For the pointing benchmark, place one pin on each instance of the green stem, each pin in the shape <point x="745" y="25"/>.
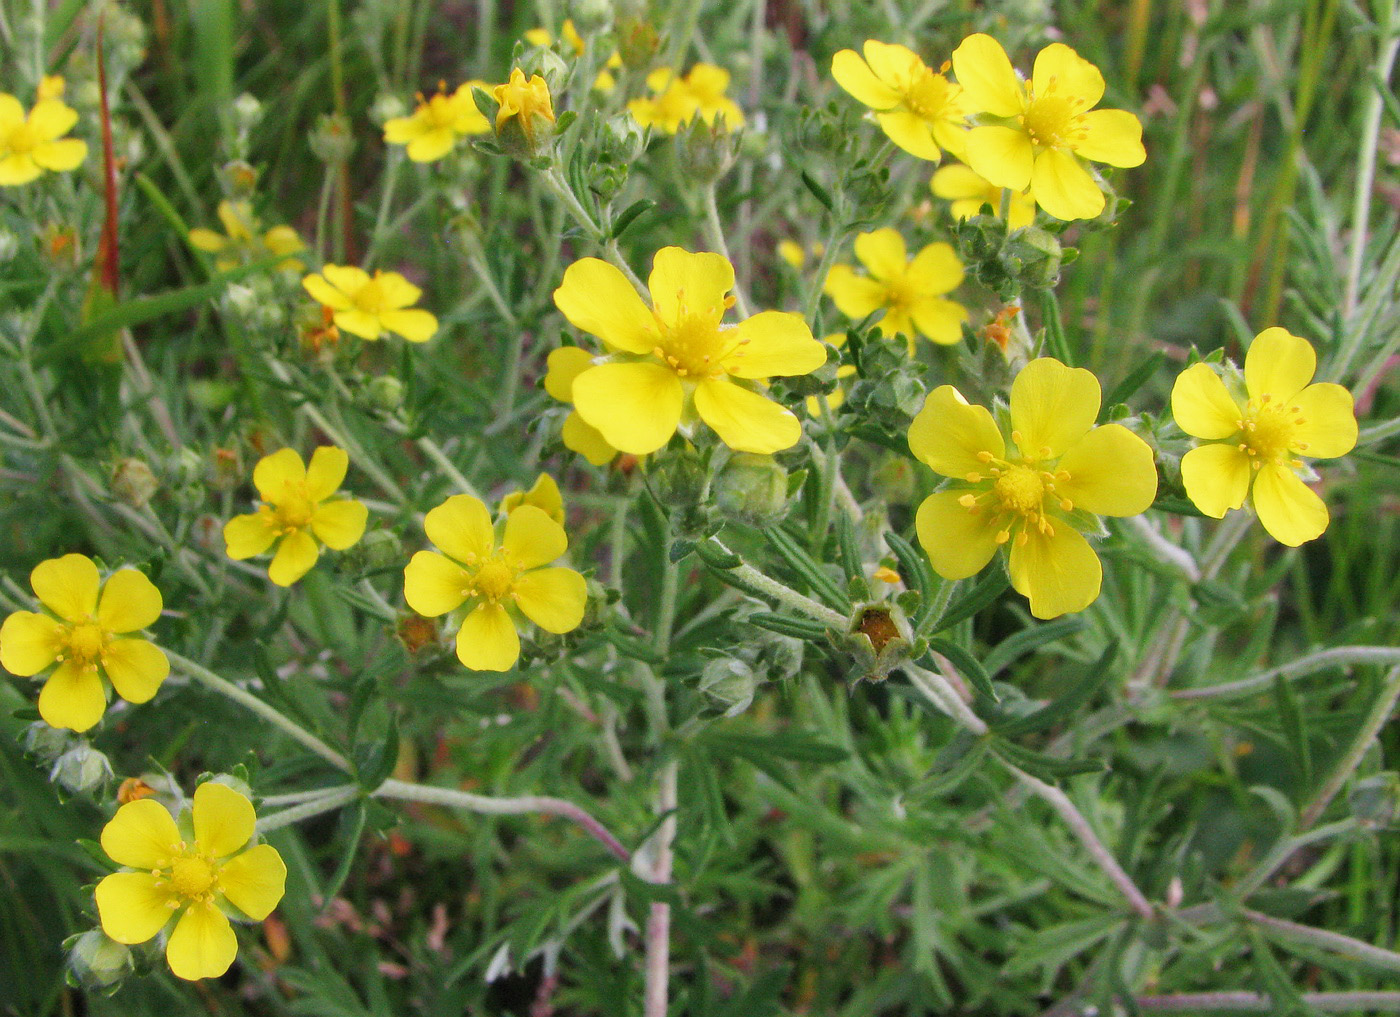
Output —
<point x="1380" y="713"/>
<point x="1314" y="662"/>
<point x="556" y="183"/>
<point x="785" y="595"/>
<point x="1354" y="949"/>
<point x="336" y="799"/>
<point x="714" y="236"/>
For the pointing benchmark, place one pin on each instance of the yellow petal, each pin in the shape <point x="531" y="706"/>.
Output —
<point x="939" y="319"/>
<point x="597" y="298"/>
<point x="274" y="473"/>
<point x="142" y="835"/>
<point x="1329" y="415"/>
<point x="582" y="437"/>
<point x="67" y="586"/>
<point x="565" y="364"/>
<point x="532" y="539"/>
<point x="1062" y="72"/>
<point x="50" y="119"/>
<point x="11" y="112"/>
<point x="987" y="78"/>
<point x="415" y="325"/>
<point x="911" y="133"/>
<point x="883" y="253"/>
<point x="207" y="240"/>
<point x="18" y="169"/>
<point x="1289" y="509"/>
<point x="553" y="599"/>
<point x="1278" y="364"/>
<point x="855" y="295"/>
<point x="958" y="182"/>
<point x="360" y="323"/>
<point x="1060" y="574"/>
<point x="1201" y="405"/>
<point x="349" y="279"/>
<point x="133" y="906"/>
<point x="487" y="640"/>
<point x="935" y="270"/>
<point x="431" y="145"/>
<point x="294" y="558"/>
<point x="61" y="156"/>
<point x="396" y="291"/>
<point x="283" y="240"/>
<point x="72" y="697"/>
<point x="461" y="526"/>
<point x="1113" y="136"/>
<point x="948" y="434"/>
<point x="29" y="642"/>
<point x="855" y="76"/>
<point x="893" y="63"/>
<point x="779" y="344"/>
<point x="223" y="819"/>
<point x="326" y="472"/>
<point x="1063" y="187"/>
<point x="1002" y="156"/>
<point x="1053" y="406"/>
<point x="958" y="543"/>
<point x="1216" y="478"/>
<point x="744" y="420"/>
<point x="434" y="584"/>
<point x="135" y="667"/>
<point x="339" y="524"/>
<point x="248" y="535"/>
<point x="699" y="281"/>
<point x="1110" y="473"/>
<point x="203" y="944"/>
<point x="254" y="881"/>
<point x="129" y="602"/>
<point x="636" y="407"/>
<point x="321" y="291"/>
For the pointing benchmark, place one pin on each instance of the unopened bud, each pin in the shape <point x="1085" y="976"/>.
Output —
<point x="638" y="42"/>
<point x="592" y="16"/>
<point x="377" y="550"/>
<point x="1033" y="256"/>
<point x="730" y="682"/>
<point x="239" y="179"/>
<point x="97" y="961"/>
<point x="208" y="532"/>
<point x="752" y="489"/>
<point x="247" y="111"/>
<point x="9" y="246"/>
<point x="331" y="140"/>
<point x="45" y="742"/>
<point x="385" y="393"/>
<point x="708" y="148"/>
<point x="133" y="482"/>
<point x="525" y="117"/>
<point x="387" y="106"/>
<point x="81" y="768"/>
<point x="1375" y="800"/>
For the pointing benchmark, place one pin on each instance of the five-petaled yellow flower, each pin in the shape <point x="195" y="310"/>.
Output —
<point x="919" y="110"/>
<point x="197" y="876"/>
<point x="240" y="244"/>
<point x="677" y="101"/>
<point x="31" y="144"/>
<point x="494" y="581"/>
<point x="1256" y="433"/>
<point x="565" y="365"/>
<point x="543" y="495"/>
<point x="1032" y="493"/>
<point x="369" y="307"/>
<point x="81" y="634"/>
<point x="676" y="361"/>
<point x="296" y="513"/>
<point x="434" y="126"/>
<point x="526" y="107"/>
<point x="909" y="290"/>
<point x="1037" y="135"/>
<point x="968" y="192"/>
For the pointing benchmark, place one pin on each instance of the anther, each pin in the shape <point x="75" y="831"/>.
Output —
<point x="1066" y="504"/>
<point x="1003" y="536"/>
<point x="967" y="501"/>
<point x="974" y="477"/>
<point x="985" y="457"/>
<point x="1045" y="451"/>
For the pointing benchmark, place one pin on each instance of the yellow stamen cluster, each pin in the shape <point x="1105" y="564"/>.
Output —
<point x="1049" y="120"/>
<point x="1269" y="432"/>
<point x="695" y="345"/>
<point x="1016" y="494"/>
<point x="493" y="579"/>
<point x="84" y="644"/>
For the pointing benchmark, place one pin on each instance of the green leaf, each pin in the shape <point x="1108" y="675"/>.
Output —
<point x="630" y="215"/>
<point x="914" y="570"/>
<point x="988" y="588"/>
<point x="1138" y="377"/>
<point x="761" y="999"/>
<point x="375" y="761"/>
<point x="1037" y="764"/>
<point x="1295" y="730"/>
<point x="968" y="666"/>
<point x="1027" y="641"/>
<point x="796" y="746"/>
<point x="818" y="191"/>
<point x="716" y="557"/>
<point x="797" y="559"/>
<point x="1052" y="947"/>
<point x="789" y="625"/>
<point x="630" y="647"/>
<point x="352" y="828"/>
<point x="1069" y="703"/>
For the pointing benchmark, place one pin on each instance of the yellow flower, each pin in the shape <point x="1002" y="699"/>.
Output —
<point x="544" y="495"/>
<point x="565" y="365"/>
<point x="910" y="290"/>
<point x="1041" y="132"/>
<point x="525" y="106"/>
<point x="568" y="32"/>
<point x="494" y="581"/>
<point x="369" y="307"/>
<point x="1256" y="436"/>
<point x="1035" y="493"/>
<point x="969" y="192"/>
<point x="835" y="398"/>
<point x="241" y="245"/>
<point x="51" y="86"/>
<point x="436" y="123"/>
<point x="920" y="111"/>
<point x="30" y="145"/>
<point x="296" y="513"/>
<point x="676" y="360"/>
<point x="677" y="101"/>
<point x="79" y="633"/>
<point x="796" y="255"/>
<point x="196" y="879"/>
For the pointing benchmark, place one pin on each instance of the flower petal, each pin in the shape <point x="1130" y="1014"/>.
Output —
<point x="935" y="270"/>
<point x="129" y="602"/>
<point x="910" y="132"/>
<point x="248" y="535"/>
<point x="431" y="145"/>
<point x="984" y="71"/>
<point x="744" y="420"/>
<point x="553" y="599"/>
<point x="326" y="472"/>
<point x="254" y="881"/>
<point x="67" y="586"/>
<point x="855" y="295"/>
<point x="347" y="278"/>
<point x="958" y="543"/>
<point x="396" y="291"/>
<point x="1289" y="509"/>
<point x="133" y="906"/>
<point x="461" y="526"/>
<point x="1053" y="406"/>
<point x="1059" y="573"/>
<point x="11" y="112"/>
<point x="203" y="944"/>
<point x="50" y="119"/>
<point x="1002" y="156"/>
<point x="1278" y="364"/>
<point x="29" y="642"/>
<point x="487" y="640"/>
<point x="135" y="667"/>
<point x="883" y="253"/>
<point x="893" y="63"/>
<point x="274" y="473"/>
<point x="1110" y="473"/>
<point x="1202" y="406"/>
<point x="957" y="182"/>
<point x="1216" y="478"/>
<point x="1063" y="187"/>
<point x="360" y="323"/>
<point x="415" y="325"/>
<point x="582" y="437"/>
<point x="636" y="407"/>
<point x="855" y="76"/>
<point x="532" y="539"/>
<point x="776" y="344"/>
<point x="60" y="156"/>
<point x="565" y="364"/>
<point x="1113" y="136"/>
<point x="339" y="524"/>
<point x="19" y="168"/>
<point x="320" y="290"/>
<point x="699" y="281"/>
<point x="1060" y="71"/>
<point x="294" y="558"/>
<point x="939" y="319"/>
<point x="949" y="433"/>
<point x="434" y="584"/>
<point x="207" y="240"/>
<point x="72" y="697"/>
<point x="223" y="819"/>
<point x="141" y="835"/>
<point x="1329" y="421"/>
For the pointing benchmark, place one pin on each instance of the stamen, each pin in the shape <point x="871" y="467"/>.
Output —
<point x="985" y="457"/>
<point x="967" y="501"/>
<point x="1003" y="536"/>
<point x="1066" y="504"/>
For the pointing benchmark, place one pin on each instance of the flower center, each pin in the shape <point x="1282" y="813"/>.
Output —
<point x="370" y="298"/>
<point x="85" y="642"/>
<point x="899" y="295"/>
<point x="494" y="579"/>
<point x="1269" y="431"/>
<point x="20" y="139"/>
<point x="1020" y="489"/>
<point x="927" y="95"/>
<point x="192" y="876"/>
<point x="439" y="113"/>
<point x="1015" y="495"/>
<point x="293" y="512"/>
<point x="1047" y="120"/>
<point x="697" y="345"/>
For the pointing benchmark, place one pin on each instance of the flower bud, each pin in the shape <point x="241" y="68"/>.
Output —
<point x="708" y="149"/>
<point x="752" y="489"/>
<point x="387" y="106"/>
<point x="376" y="550"/>
<point x="621" y="140"/>
<point x="47" y="743"/>
<point x="730" y="683"/>
<point x="133" y="482"/>
<point x="679" y="480"/>
<point x="81" y="768"/>
<point x="97" y="961"/>
<point x="638" y="42"/>
<point x="226" y="469"/>
<point x="9" y="246"/>
<point x="525" y="117"/>
<point x="385" y="392"/>
<point x="591" y="16"/>
<point x="239" y="179"/>
<point x="208" y="532"/>
<point x="893" y="480"/>
<point x="331" y="140"/>
<point x="247" y="111"/>
<point x="1033" y="256"/>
